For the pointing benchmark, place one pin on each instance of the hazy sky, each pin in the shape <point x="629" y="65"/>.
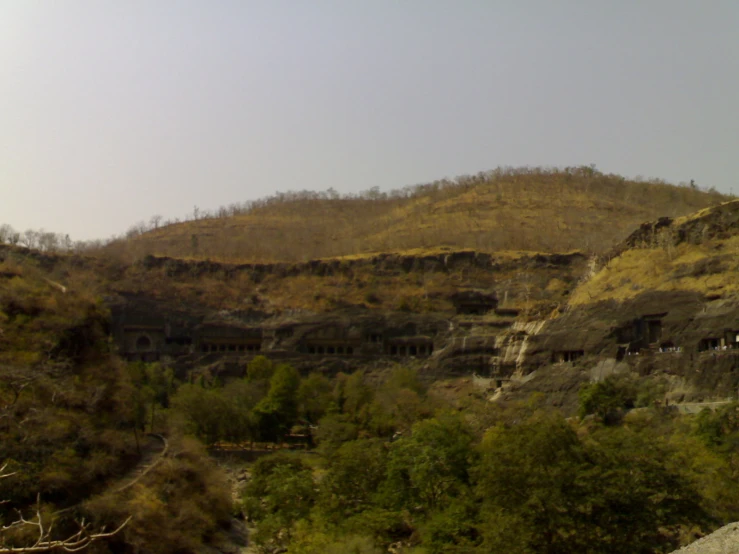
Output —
<point x="114" y="110"/>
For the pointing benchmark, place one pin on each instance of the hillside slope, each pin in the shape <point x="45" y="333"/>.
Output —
<point x="664" y="306"/>
<point x="696" y="253"/>
<point x="524" y="209"/>
<point x="71" y="422"/>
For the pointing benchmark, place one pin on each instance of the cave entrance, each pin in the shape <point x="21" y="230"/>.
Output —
<point x="566" y="356"/>
<point x="143" y="343"/>
<point x="709" y="343"/>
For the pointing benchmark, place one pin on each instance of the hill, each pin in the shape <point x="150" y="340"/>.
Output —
<point x="534" y="209"/>
<point x="694" y="253"/>
<point x="364" y="348"/>
<point x="663" y="305"/>
<point x="72" y="421"/>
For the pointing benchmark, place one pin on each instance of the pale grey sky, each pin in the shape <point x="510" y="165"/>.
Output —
<point x="114" y="110"/>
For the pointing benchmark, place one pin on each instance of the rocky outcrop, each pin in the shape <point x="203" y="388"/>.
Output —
<point x="684" y="335"/>
<point x="381" y="263"/>
<point x="43" y="260"/>
<point x="683" y="339"/>
<point x="646" y="235"/>
<point x="478" y="305"/>
<point x="479" y="329"/>
<point x="720" y="221"/>
<point x="722" y="541"/>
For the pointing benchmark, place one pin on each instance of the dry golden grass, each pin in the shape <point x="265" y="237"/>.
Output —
<point x="700" y="213"/>
<point x="529" y="209"/>
<point x="709" y="268"/>
<point x="384" y="287"/>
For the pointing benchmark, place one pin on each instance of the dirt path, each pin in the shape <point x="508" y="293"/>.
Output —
<point x="697" y="407"/>
<point x="153" y="450"/>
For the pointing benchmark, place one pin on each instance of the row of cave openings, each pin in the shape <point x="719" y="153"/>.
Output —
<point x="728" y="342"/>
<point x="566" y="356"/>
<point x="425" y="349"/>
<point x="144" y="344"/>
<point x="225" y="347"/>
<point x="338" y="350"/>
<point x="646" y="328"/>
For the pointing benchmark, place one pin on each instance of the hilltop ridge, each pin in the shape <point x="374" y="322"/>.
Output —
<point x="656" y="315"/>
<point x="534" y="209"/>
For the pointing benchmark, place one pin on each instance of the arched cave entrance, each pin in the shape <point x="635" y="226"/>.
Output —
<point x="143" y="343"/>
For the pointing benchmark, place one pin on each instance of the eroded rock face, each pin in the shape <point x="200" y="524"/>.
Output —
<point x="720" y="221"/>
<point x="688" y="338"/>
<point x="147" y="330"/>
<point x="546" y="346"/>
<point x="441" y="262"/>
<point x="680" y="334"/>
<point x="722" y="541"/>
<point x="481" y="294"/>
<point x="685" y="338"/>
<point x="489" y="342"/>
<point x="646" y="235"/>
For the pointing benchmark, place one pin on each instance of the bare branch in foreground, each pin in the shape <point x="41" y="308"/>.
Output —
<point x="43" y="541"/>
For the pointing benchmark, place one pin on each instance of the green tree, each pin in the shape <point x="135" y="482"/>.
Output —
<point x="453" y="529"/>
<point x="720" y="429"/>
<point x="608" y="399"/>
<point x="281" y="492"/>
<point x="315" y="397"/>
<point x="278" y="411"/>
<point x="151" y="386"/>
<point x="405" y="378"/>
<point x="333" y="431"/>
<point x="613" y="491"/>
<point x="354" y="474"/>
<point x="354" y="396"/>
<point x="430" y="467"/>
<point x="240" y="398"/>
<point x="399" y="403"/>
<point x="260" y="368"/>
<point x="312" y="538"/>
<point x="711" y="470"/>
<point x="155" y="384"/>
<point x="205" y="411"/>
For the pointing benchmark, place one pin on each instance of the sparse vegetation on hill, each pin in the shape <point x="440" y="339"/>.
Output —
<point x="694" y="253"/>
<point x="396" y="465"/>
<point x="428" y="467"/>
<point x="534" y="209"/>
<point x="72" y="422"/>
<point x="408" y="281"/>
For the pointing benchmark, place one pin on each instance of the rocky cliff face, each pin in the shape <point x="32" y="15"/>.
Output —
<point x="718" y="222"/>
<point x="468" y="323"/>
<point x="503" y="317"/>
<point x="443" y="262"/>
<point x="688" y="342"/>
<point x="678" y="321"/>
<point x="722" y="541"/>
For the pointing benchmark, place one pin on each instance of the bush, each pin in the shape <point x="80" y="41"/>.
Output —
<point x="608" y="399"/>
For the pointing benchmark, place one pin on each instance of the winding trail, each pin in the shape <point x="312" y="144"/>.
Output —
<point x="153" y="451"/>
<point x="697" y="407"/>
